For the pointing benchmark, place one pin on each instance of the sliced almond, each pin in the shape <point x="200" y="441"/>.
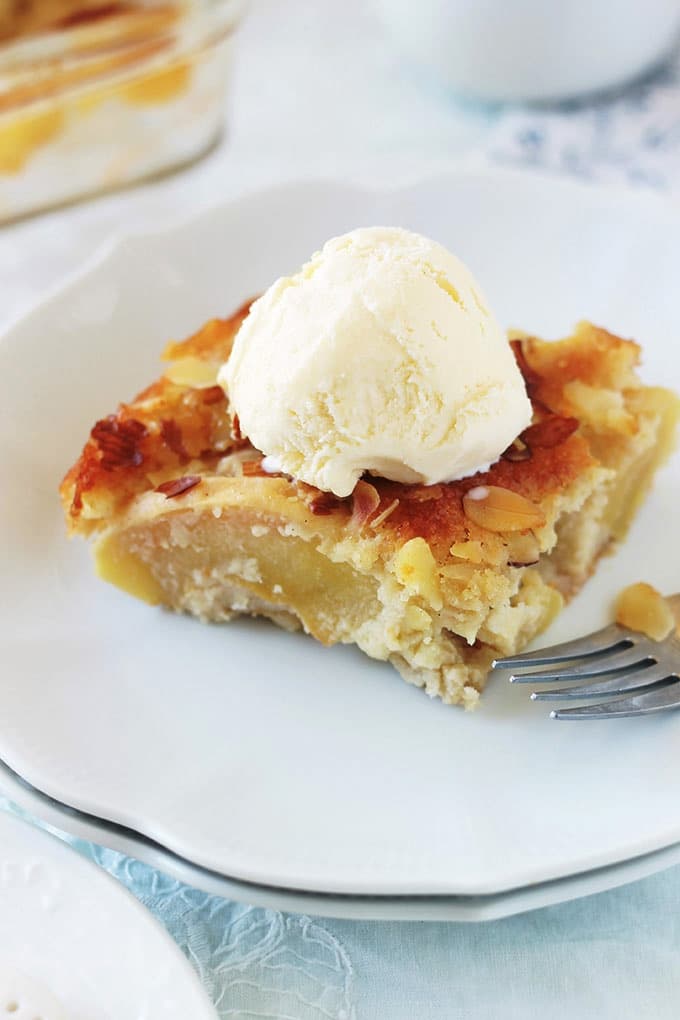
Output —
<point x="641" y="607"/>
<point x="384" y="514"/>
<point x="498" y="509"/>
<point x="365" y="501"/>
<point x="550" y="431"/>
<point x="178" y="486"/>
<point x="517" y="451"/>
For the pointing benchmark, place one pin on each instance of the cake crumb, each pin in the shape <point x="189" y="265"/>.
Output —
<point x="642" y="608"/>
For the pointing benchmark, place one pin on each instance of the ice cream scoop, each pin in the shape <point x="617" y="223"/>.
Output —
<point x="380" y="355"/>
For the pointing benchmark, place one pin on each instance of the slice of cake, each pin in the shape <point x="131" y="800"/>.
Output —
<point x="436" y="578"/>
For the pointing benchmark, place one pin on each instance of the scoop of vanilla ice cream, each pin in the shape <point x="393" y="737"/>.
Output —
<point x="379" y="355"/>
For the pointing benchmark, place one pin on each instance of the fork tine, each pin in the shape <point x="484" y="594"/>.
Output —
<point x="660" y="700"/>
<point x="598" y="665"/>
<point x="604" y="640"/>
<point x="638" y="679"/>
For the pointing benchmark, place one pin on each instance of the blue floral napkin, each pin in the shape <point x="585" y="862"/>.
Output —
<point x="628" y="139"/>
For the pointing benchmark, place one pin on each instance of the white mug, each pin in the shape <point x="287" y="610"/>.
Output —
<point x="534" y="49"/>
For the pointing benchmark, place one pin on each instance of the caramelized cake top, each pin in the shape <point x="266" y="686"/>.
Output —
<point x="179" y="429"/>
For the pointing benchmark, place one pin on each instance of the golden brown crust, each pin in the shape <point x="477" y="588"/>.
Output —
<point x="165" y="427"/>
<point x="442" y="520"/>
<point x="213" y="341"/>
<point x="171" y="426"/>
<point x="592" y="356"/>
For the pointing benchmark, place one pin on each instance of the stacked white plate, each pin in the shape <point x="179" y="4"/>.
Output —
<point x="254" y="762"/>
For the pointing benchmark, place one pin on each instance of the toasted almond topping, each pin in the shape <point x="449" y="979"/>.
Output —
<point x="384" y="514"/>
<point x="641" y="607"/>
<point x="490" y="552"/>
<point x="119" y="441"/>
<point x="551" y="431"/>
<point x="176" y="486"/>
<point x="171" y="434"/>
<point x="499" y="509"/>
<point x="365" y="501"/>
<point x="517" y="451"/>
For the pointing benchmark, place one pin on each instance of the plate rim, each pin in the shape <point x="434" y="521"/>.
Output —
<point x="475" y="165"/>
<point x="347" y="906"/>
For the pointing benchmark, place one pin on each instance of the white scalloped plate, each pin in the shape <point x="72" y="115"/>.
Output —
<point x="74" y="943"/>
<point x="364" y="907"/>
<point x="259" y="754"/>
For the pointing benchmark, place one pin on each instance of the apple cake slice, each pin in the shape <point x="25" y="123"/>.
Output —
<point x="436" y="579"/>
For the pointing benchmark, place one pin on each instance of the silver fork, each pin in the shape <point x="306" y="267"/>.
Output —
<point x="614" y="660"/>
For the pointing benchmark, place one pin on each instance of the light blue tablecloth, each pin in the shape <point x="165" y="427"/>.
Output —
<point x="613" y="956"/>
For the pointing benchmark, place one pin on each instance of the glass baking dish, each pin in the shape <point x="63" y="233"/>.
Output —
<point x="121" y="92"/>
